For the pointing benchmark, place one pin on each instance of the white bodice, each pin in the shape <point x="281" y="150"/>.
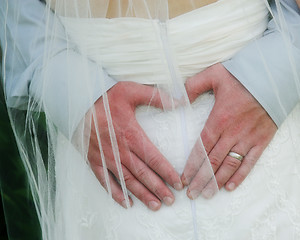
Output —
<point x="133" y="49"/>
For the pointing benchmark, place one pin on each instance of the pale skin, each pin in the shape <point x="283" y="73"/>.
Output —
<point x="238" y="124"/>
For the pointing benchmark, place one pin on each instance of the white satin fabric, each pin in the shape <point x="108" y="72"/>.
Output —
<point x="265" y="206"/>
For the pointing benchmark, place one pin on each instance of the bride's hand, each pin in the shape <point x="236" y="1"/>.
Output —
<point x="144" y="168"/>
<point x="237" y="123"/>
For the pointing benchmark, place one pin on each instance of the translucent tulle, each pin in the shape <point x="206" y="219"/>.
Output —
<point x="85" y="155"/>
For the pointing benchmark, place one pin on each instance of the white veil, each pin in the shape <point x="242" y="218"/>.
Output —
<point x="58" y="75"/>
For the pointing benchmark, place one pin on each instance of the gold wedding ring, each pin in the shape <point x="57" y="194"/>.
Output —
<point x="236" y="156"/>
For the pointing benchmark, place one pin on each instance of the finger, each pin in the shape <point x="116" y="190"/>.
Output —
<point x="202" y="178"/>
<point x="132" y="184"/>
<point x="208" y="140"/>
<point x="220" y="151"/>
<point x="148" y="95"/>
<point x="247" y="164"/>
<point x="216" y="157"/>
<point x="209" y="137"/>
<point x="140" y="144"/>
<point x="210" y="189"/>
<point x="206" y="171"/>
<point x="230" y="164"/>
<point x="124" y="175"/>
<point x="194" y="162"/>
<point x="150" y="180"/>
<point x="210" y="133"/>
<point x="138" y="189"/>
<point x="197" y="85"/>
<point x="116" y="191"/>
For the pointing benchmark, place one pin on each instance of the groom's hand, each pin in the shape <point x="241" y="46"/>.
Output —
<point x="143" y="167"/>
<point x="237" y="123"/>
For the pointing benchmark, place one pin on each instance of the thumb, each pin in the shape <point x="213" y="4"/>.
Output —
<point x="152" y="96"/>
<point x="198" y="84"/>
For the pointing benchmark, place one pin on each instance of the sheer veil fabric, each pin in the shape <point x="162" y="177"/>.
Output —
<point x="90" y="45"/>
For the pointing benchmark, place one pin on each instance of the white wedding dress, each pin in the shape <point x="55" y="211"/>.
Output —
<point x="265" y="206"/>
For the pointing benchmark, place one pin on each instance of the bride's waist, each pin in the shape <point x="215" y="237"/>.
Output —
<point x="144" y="50"/>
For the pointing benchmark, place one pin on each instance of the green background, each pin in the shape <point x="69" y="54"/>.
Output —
<point x="18" y="220"/>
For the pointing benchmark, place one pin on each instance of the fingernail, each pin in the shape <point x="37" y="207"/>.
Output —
<point x="154" y="206"/>
<point x="124" y="204"/>
<point x="178" y="186"/>
<point x="185" y="181"/>
<point x="208" y="193"/>
<point x="168" y="201"/>
<point x="193" y="194"/>
<point x="231" y="186"/>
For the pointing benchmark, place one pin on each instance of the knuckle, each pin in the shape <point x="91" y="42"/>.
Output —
<point x="129" y="180"/>
<point x="121" y="90"/>
<point x="141" y="173"/>
<point x="207" y="137"/>
<point x="223" y="119"/>
<point x="265" y="138"/>
<point x="117" y="90"/>
<point x="191" y="86"/>
<point x="221" y="182"/>
<point x="205" y="134"/>
<point x="122" y="85"/>
<point x="232" y="163"/>
<point x="96" y="162"/>
<point x="129" y="136"/>
<point x="250" y="162"/>
<point x="236" y="129"/>
<point x="215" y="161"/>
<point x="153" y="161"/>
